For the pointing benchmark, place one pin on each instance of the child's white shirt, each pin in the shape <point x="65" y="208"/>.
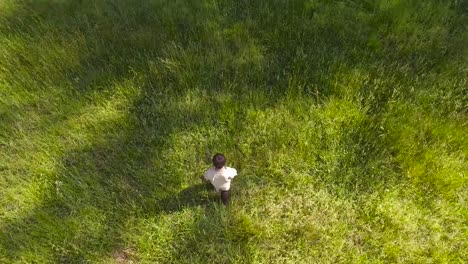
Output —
<point x="220" y="179"/>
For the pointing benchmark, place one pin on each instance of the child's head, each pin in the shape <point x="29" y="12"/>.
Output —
<point x="219" y="160"/>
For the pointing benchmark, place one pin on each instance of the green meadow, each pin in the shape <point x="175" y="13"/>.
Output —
<point x="347" y="121"/>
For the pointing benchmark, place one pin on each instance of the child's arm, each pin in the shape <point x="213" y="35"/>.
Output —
<point x="206" y="175"/>
<point x="232" y="173"/>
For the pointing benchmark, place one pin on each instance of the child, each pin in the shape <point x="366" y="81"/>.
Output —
<point x="221" y="176"/>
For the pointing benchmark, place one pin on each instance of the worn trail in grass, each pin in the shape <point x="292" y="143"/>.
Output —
<point x="347" y="122"/>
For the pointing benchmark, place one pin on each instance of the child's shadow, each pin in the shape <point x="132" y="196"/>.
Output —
<point x="195" y="195"/>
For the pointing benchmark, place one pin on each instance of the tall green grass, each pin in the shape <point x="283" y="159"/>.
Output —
<point x="347" y="122"/>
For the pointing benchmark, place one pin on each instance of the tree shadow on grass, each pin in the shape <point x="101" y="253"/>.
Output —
<point x="125" y="172"/>
<point x="115" y="177"/>
<point x="181" y="45"/>
<point x="83" y="209"/>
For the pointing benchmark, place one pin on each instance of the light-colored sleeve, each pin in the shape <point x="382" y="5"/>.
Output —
<point x="205" y="176"/>
<point x="232" y="173"/>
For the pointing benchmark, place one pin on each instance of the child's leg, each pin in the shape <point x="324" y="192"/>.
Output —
<point x="225" y="195"/>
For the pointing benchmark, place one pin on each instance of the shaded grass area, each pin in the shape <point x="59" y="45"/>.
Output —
<point x="345" y="119"/>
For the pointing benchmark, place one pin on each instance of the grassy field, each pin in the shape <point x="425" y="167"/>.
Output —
<point x="347" y="121"/>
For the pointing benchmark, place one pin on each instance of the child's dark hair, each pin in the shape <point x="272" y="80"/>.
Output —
<point x="219" y="160"/>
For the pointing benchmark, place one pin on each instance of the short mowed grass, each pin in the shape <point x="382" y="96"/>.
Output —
<point x="346" y="120"/>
